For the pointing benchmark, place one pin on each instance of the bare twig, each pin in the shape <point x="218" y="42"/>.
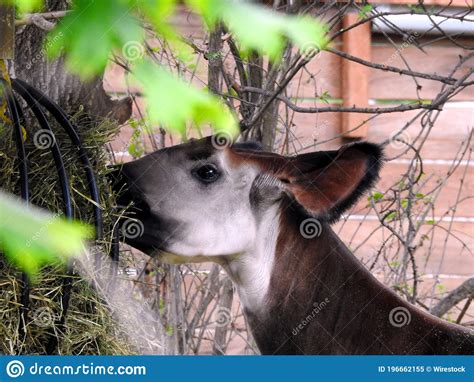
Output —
<point x="41" y="20"/>
<point x="465" y="290"/>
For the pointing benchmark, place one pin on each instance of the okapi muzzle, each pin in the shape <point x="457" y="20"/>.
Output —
<point x="265" y="218"/>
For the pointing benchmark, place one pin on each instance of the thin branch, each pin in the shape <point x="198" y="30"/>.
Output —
<point x="433" y="77"/>
<point x="343" y="109"/>
<point x="40" y="19"/>
<point x="465" y="290"/>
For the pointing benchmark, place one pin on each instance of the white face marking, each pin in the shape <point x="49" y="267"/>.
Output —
<point x="217" y="221"/>
<point x="214" y="220"/>
<point x="251" y="271"/>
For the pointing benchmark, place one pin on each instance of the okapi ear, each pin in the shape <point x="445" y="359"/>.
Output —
<point x="327" y="183"/>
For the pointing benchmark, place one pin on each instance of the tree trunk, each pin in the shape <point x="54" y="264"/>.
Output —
<point x="51" y="77"/>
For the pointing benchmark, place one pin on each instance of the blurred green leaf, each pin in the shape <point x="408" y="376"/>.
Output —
<point x="31" y="238"/>
<point x="181" y="103"/>
<point x="365" y="10"/>
<point x="261" y="29"/>
<point x="377" y="195"/>
<point x="24" y="6"/>
<point x="94" y="29"/>
<point x="91" y="31"/>
<point x="325" y="97"/>
<point x="135" y="147"/>
<point x="158" y="12"/>
<point x="390" y="216"/>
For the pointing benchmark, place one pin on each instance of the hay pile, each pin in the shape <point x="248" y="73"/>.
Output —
<point x="90" y="329"/>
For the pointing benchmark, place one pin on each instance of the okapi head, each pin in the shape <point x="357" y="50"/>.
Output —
<point x="201" y="202"/>
<point x="266" y="219"/>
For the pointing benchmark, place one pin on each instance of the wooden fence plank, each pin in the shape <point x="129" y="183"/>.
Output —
<point x="436" y="59"/>
<point x="450" y="130"/>
<point x="458" y="260"/>
<point x="355" y="78"/>
<point x="441" y="3"/>
<point x="321" y="75"/>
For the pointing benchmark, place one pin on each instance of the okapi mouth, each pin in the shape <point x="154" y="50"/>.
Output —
<point x="139" y="227"/>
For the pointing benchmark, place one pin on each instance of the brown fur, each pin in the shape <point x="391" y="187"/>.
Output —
<point x="356" y="318"/>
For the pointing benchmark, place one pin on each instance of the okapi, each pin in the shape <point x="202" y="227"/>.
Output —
<point x="265" y="218"/>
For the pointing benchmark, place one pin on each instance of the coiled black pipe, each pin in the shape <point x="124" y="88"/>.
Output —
<point x="24" y="193"/>
<point x="36" y="101"/>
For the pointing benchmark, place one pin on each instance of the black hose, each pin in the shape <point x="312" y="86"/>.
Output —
<point x="14" y="112"/>
<point x="62" y="119"/>
<point x="36" y="101"/>
<point x="64" y="181"/>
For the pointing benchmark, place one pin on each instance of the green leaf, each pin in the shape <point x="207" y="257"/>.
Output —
<point x="404" y="203"/>
<point x="365" y="10"/>
<point x="430" y="222"/>
<point x="174" y="103"/>
<point x="325" y="97"/>
<point x="415" y="8"/>
<point x="32" y="238"/>
<point x="135" y="149"/>
<point x="24" y="6"/>
<point x="91" y="31"/>
<point x="377" y="196"/>
<point x="158" y="12"/>
<point x="169" y="330"/>
<point x="260" y="29"/>
<point x="391" y="216"/>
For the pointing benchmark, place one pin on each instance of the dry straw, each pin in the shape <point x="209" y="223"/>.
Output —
<point x="90" y="327"/>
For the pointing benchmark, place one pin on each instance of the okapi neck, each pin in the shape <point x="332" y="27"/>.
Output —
<point x="322" y="300"/>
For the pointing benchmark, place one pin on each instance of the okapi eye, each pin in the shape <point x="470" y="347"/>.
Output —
<point x="207" y="173"/>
